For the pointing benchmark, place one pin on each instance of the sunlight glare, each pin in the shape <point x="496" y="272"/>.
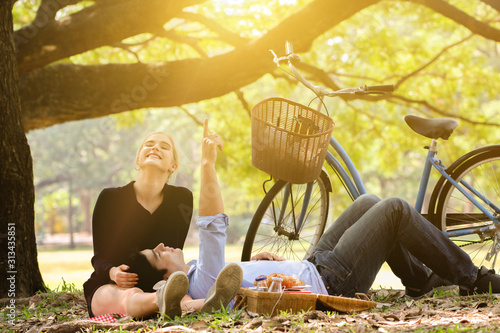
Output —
<point x="232" y="2"/>
<point x="257" y="33"/>
<point x="335" y="40"/>
<point x="345" y="57"/>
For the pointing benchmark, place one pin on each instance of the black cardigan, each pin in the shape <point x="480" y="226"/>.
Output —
<point x="121" y="225"/>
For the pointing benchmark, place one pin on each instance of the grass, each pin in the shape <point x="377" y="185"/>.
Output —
<point x="66" y="304"/>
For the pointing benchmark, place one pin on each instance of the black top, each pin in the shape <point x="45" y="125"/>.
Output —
<point x="120" y="225"/>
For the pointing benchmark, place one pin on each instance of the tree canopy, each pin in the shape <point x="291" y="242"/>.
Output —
<point x="83" y="59"/>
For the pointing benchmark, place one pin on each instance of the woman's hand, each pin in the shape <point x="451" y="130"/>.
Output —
<point x="211" y="202"/>
<point x="210" y="144"/>
<point x="267" y="256"/>
<point x="122" y="278"/>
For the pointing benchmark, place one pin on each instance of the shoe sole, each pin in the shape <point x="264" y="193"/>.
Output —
<point x="227" y="285"/>
<point x="177" y="286"/>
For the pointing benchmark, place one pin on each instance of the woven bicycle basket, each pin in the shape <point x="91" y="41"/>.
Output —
<point x="289" y="140"/>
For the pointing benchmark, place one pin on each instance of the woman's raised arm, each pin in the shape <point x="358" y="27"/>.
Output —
<point x="210" y="197"/>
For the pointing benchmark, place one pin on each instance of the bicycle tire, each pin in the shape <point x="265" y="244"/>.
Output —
<point x="263" y="233"/>
<point x="454" y="211"/>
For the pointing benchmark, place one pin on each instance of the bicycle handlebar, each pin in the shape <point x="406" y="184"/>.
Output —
<point x="383" y="87"/>
<point x="290" y="57"/>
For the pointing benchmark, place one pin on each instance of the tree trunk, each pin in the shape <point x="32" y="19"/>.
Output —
<point x="18" y="254"/>
<point x="85" y="197"/>
<point x="71" y="230"/>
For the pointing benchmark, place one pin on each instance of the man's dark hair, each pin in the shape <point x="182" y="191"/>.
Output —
<point x="148" y="275"/>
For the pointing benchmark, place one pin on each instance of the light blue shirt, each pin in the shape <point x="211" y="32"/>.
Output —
<point x="204" y="271"/>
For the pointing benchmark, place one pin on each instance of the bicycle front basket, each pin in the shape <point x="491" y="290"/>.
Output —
<point x="289" y="140"/>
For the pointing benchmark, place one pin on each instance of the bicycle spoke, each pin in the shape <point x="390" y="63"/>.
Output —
<point x="482" y="173"/>
<point x="286" y="237"/>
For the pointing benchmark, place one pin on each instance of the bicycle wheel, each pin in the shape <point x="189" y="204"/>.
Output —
<point x="274" y="227"/>
<point x="454" y="212"/>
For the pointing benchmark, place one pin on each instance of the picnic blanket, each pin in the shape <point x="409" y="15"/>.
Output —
<point x="107" y="318"/>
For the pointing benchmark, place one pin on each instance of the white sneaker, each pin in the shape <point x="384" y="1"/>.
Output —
<point x="225" y="288"/>
<point x="170" y="294"/>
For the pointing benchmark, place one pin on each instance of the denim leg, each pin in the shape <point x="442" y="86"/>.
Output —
<point x="411" y="271"/>
<point x="407" y="268"/>
<point x="351" y="215"/>
<point x="352" y="265"/>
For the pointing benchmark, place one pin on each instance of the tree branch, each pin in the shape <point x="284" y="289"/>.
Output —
<point x="63" y="92"/>
<point x="90" y="28"/>
<point x="455" y="14"/>
<point x="190" y="115"/>
<point x="430" y="62"/>
<point x="318" y="74"/>
<point x="226" y="35"/>
<point x="244" y="103"/>
<point x="495" y="4"/>
<point x="426" y="104"/>
<point x="190" y="41"/>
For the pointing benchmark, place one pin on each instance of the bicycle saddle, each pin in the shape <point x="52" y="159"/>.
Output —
<point x="432" y="128"/>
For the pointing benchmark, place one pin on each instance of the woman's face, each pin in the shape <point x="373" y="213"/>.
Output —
<point x="164" y="257"/>
<point x="157" y="151"/>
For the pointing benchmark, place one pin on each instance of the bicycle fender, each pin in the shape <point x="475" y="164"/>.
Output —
<point x="327" y="180"/>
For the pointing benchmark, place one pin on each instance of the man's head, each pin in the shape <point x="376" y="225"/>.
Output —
<point x="153" y="265"/>
<point x="165" y="258"/>
<point x="148" y="275"/>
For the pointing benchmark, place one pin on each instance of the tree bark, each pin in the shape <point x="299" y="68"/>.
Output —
<point x="18" y="254"/>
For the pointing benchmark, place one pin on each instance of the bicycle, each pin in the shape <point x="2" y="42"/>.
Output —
<point x="464" y="203"/>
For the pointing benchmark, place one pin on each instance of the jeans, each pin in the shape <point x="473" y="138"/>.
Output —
<point x="371" y="231"/>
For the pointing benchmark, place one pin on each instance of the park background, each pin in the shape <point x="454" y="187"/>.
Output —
<point x="439" y="69"/>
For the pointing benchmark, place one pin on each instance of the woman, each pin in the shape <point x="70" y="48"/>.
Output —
<point x="139" y="215"/>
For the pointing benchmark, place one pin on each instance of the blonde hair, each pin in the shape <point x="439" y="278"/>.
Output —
<point x="175" y="152"/>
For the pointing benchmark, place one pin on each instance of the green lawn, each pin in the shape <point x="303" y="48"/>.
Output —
<point x="74" y="266"/>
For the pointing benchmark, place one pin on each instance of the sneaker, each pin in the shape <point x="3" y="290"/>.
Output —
<point x="434" y="282"/>
<point x="170" y="294"/>
<point x="225" y="288"/>
<point x="486" y="281"/>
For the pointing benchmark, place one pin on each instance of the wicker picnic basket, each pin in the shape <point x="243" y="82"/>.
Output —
<point x="268" y="303"/>
<point x="289" y="140"/>
<point x="347" y="304"/>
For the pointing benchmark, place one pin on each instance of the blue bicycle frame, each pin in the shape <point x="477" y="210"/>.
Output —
<point x="355" y="186"/>
<point x="432" y="162"/>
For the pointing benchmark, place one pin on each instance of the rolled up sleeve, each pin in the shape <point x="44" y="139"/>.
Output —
<point x="211" y="258"/>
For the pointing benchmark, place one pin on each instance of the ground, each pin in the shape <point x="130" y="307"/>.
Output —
<point x="66" y="312"/>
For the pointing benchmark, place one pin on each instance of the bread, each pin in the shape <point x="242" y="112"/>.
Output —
<point x="288" y="281"/>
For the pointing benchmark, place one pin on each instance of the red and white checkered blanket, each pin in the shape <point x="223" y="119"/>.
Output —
<point x="108" y="318"/>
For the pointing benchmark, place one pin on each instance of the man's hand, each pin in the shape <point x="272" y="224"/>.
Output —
<point x="267" y="256"/>
<point x="210" y="144"/>
<point x="122" y="278"/>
